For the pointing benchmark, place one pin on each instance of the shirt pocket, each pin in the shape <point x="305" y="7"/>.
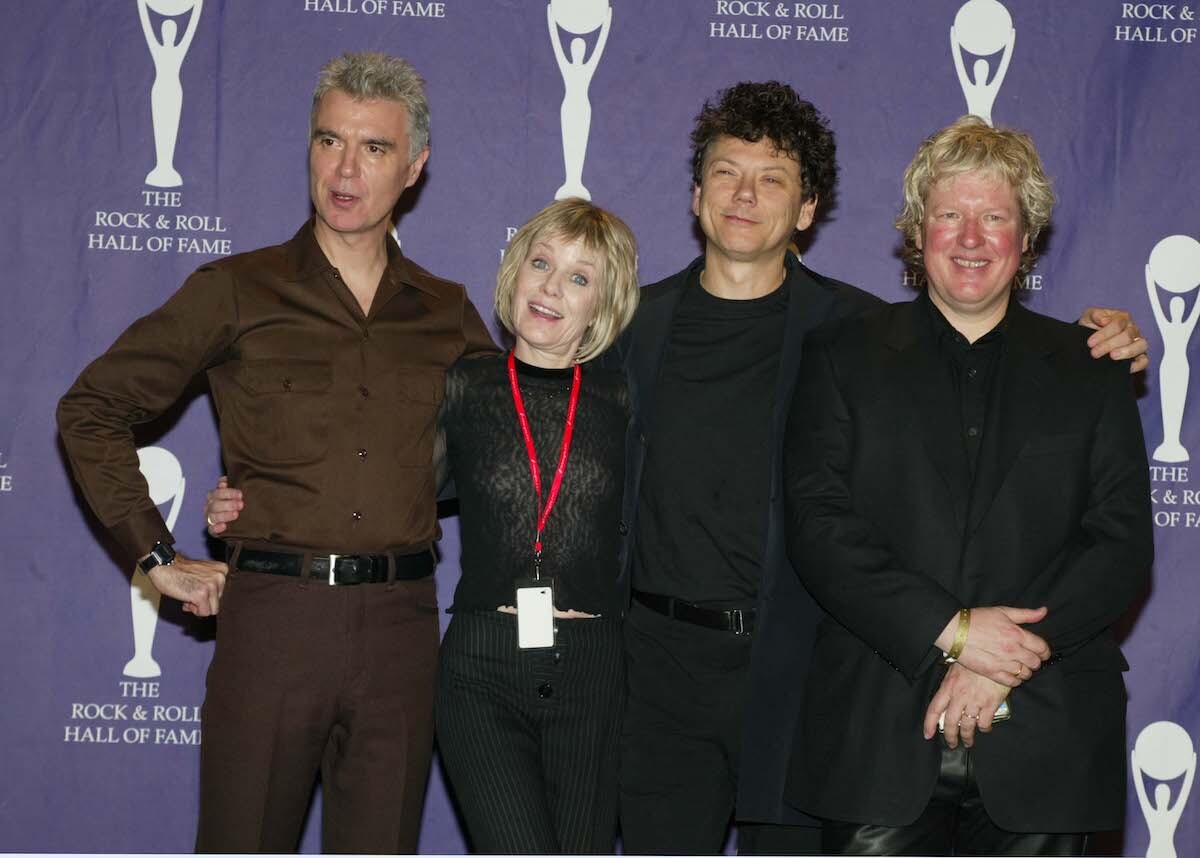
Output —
<point x="417" y="395"/>
<point x="286" y="413"/>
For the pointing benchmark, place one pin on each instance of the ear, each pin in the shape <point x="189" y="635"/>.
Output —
<point x="1025" y="243"/>
<point x="807" y="212"/>
<point x="414" y="169"/>
<point x="696" y="199"/>
<point x="919" y="241"/>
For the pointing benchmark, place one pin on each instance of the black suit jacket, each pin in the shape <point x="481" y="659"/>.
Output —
<point x="890" y="541"/>
<point x="787" y="617"/>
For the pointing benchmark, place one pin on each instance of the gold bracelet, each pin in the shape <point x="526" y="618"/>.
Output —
<point x="960" y="634"/>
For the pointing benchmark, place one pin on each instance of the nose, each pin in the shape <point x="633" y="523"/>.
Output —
<point x="744" y="192"/>
<point x="970" y="235"/>
<point x="550" y="284"/>
<point x="348" y="162"/>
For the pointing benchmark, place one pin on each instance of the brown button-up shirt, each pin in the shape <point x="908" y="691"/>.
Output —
<point x="327" y="416"/>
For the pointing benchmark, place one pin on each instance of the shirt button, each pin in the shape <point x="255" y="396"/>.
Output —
<point x="366" y="335"/>
<point x="545" y="690"/>
<point x="363" y="392"/>
<point x="337" y="275"/>
<point x="357" y="516"/>
<point x="287" y="384"/>
<point x="362" y="454"/>
<point x="972" y="372"/>
<point x="973" y="431"/>
<point x="623" y="528"/>
<point x="557" y="657"/>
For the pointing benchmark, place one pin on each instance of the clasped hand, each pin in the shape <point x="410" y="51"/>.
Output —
<point x="998" y="656"/>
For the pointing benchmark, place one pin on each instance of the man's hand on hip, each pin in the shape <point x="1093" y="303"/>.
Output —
<point x="196" y="583"/>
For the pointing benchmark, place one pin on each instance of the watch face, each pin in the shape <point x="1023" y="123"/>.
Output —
<point x="161" y="555"/>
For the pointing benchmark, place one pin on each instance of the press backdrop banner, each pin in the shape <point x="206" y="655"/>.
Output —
<point x="153" y="135"/>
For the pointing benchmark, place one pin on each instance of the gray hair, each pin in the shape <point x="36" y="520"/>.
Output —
<point x="369" y="75"/>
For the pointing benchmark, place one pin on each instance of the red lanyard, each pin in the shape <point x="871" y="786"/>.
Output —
<point x="543" y="510"/>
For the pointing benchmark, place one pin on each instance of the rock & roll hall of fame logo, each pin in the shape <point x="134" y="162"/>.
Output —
<point x="164" y="477"/>
<point x="1174" y="269"/>
<point x="168" y="37"/>
<point x="577" y="18"/>
<point x="1163" y="752"/>
<point x="984" y="30"/>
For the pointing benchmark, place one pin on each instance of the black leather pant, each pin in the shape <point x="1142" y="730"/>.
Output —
<point x="954" y="823"/>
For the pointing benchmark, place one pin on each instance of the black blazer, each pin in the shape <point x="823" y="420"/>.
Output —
<point x="787" y="617"/>
<point x="890" y="542"/>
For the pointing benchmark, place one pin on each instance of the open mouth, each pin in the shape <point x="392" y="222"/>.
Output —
<point x="544" y="312"/>
<point x="970" y="263"/>
<point x="342" y="199"/>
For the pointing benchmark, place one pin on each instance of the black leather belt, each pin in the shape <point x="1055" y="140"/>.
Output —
<point x="337" y="568"/>
<point x="736" y="620"/>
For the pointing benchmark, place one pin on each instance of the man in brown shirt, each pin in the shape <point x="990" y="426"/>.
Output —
<point x="325" y="357"/>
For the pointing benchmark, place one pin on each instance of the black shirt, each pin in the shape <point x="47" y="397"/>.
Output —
<point x="497" y="505"/>
<point x="701" y="521"/>
<point x="972" y="370"/>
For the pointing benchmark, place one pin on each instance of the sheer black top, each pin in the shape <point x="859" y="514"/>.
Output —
<point x="497" y="505"/>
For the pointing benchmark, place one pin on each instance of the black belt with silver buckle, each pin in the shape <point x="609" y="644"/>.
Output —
<point x="343" y="569"/>
<point x="737" y="620"/>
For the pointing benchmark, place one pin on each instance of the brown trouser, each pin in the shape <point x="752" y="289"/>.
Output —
<point x="309" y="677"/>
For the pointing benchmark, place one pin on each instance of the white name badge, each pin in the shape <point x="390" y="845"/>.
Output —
<point x="535" y="616"/>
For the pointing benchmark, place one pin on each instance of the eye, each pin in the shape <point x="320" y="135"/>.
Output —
<point x="374" y="150"/>
<point x="539" y="263"/>
<point x="579" y="280"/>
<point x="771" y="180"/>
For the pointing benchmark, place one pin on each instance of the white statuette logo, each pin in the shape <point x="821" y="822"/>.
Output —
<point x="164" y="476"/>
<point x="167" y="48"/>
<point x="1174" y="266"/>
<point x="1163" y="751"/>
<point x="982" y="28"/>
<point x="577" y="17"/>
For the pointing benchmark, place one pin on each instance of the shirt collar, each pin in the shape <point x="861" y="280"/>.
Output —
<point x="946" y="333"/>
<point x="306" y="259"/>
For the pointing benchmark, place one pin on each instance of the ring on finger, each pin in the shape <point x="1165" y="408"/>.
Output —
<point x="208" y="518"/>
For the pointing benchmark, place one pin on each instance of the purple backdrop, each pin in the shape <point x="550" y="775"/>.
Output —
<point x="97" y="757"/>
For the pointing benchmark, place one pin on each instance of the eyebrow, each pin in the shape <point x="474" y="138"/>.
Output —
<point x="544" y="247"/>
<point x="381" y="142"/>
<point x="736" y="163"/>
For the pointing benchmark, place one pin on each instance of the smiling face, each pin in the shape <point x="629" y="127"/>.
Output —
<point x="554" y="301"/>
<point x="972" y="242"/>
<point x="358" y="163"/>
<point x="750" y="200"/>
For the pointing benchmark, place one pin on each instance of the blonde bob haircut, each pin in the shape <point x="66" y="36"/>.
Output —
<point x="967" y="146"/>
<point x="601" y="232"/>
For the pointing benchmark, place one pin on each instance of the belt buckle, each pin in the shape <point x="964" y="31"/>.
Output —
<point x="739" y="627"/>
<point x="333" y="559"/>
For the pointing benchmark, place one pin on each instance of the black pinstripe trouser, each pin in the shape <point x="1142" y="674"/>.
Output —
<point x="529" y="738"/>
